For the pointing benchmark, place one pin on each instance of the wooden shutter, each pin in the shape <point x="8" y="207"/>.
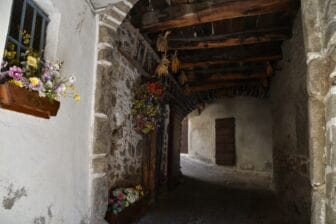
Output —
<point x="225" y="142"/>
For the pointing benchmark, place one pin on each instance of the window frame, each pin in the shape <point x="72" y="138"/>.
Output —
<point x="37" y="11"/>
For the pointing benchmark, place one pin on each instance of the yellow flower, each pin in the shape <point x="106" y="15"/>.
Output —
<point x="71" y="87"/>
<point x="26" y="41"/>
<point x="64" y="94"/>
<point x="34" y="81"/>
<point x="32" y="61"/>
<point x="10" y="54"/>
<point x="17" y="83"/>
<point x="77" y="97"/>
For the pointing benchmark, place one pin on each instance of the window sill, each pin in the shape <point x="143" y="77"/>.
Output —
<point x="28" y="102"/>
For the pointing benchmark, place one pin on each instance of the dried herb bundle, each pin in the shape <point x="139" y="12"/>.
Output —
<point x="176" y="63"/>
<point x="162" y="42"/>
<point x="162" y="68"/>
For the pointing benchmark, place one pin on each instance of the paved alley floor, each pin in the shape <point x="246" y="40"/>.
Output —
<point x="199" y="201"/>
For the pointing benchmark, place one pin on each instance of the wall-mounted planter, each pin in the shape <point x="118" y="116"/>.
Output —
<point x="28" y="102"/>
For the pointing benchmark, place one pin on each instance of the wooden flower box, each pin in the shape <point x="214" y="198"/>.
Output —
<point x="28" y="102"/>
<point x="129" y="215"/>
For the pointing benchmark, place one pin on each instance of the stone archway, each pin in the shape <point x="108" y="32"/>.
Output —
<point x="112" y="127"/>
<point x="319" y="35"/>
<point x="111" y="112"/>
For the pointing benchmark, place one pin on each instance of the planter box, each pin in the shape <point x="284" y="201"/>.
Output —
<point x="129" y="215"/>
<point x="28" y="102"/>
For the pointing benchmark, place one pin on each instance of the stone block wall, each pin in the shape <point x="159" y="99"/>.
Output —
<point x="328" y="11"/>
<point x="319" y="25"/>
<point x="289" y="98"/>
<point x="117" y="148"/>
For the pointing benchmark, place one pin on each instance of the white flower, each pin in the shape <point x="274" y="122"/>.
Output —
<point x="49" y="84"/>
<point x="71" y="80"/>
<point x="61" y="89"/>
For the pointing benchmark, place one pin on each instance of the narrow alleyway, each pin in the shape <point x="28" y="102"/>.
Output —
<point x="198" y="200"/>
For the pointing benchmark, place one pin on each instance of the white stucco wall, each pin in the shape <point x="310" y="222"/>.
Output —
<point x="45" y="163"/>
<point x="253" y="132"/>
<point x="5" y="8"/>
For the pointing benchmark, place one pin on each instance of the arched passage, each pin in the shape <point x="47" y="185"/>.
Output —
<point x="112" y="106"/>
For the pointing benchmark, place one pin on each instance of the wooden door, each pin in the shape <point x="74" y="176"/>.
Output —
<point x="149" y="162"/>
<point x="225" y="142"/>
<point x="184" y="137"/>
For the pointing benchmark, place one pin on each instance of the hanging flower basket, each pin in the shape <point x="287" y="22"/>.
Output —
<point x="24" y="101"/>
<point x="146" y="109"/>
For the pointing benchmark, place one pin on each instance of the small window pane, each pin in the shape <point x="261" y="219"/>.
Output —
<point x="37" y="35"/>
<point x="16" y="18"/>
<point x="28" y="21"/>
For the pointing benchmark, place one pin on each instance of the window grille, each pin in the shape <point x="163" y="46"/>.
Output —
<point x="27" y="16"/>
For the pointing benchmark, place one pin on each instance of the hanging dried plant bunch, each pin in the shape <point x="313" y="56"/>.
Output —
<point x="162" y="68"/>
<point x="187" y="90"/>
<point x="182" y="78"/>
<point x="162" y="42"/>
<point x="269" y="69"/>
<point x="176" y="63"/>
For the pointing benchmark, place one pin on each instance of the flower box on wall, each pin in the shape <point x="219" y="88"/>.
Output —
<point x="28" y="102"/>
<point x="129" y="215"/>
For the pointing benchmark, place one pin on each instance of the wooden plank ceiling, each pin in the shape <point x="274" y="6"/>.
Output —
<point x="227" y="47"/>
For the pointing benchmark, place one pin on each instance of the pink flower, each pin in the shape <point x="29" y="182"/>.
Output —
<point x="120" y="196"/>
<point x="15" y="73"/>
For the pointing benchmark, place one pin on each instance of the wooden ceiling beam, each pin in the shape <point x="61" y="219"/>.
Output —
<point x="205" y="64"/>
<point x="244" y="69"/>
<point x="228" y="77"/>
<point x="209" y="11"/>
<point x="225" y="34"/>
<point x="219" y="85"/>
<point x="229" y="42"/>
<point x="234" y="53"/>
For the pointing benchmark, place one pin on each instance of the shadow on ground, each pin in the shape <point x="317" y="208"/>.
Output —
<point x="198" y="202"/>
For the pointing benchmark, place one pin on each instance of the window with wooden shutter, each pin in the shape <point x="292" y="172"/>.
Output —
<point x="225" y="142"/>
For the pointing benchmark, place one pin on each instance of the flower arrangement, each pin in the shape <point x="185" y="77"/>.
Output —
<point x="122" y="198"/>
<point x="35" y="74"/>
<point x="146" y="106"/>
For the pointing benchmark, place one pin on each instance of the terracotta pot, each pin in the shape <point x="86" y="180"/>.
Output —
<point x="28" y="102"/>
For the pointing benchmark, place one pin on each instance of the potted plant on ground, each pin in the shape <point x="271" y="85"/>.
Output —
<point x="126" y="205"/>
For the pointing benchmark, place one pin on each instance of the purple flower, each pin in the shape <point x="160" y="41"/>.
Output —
<point x="15" y="73"/>
<point x="46" y="77"/>
<point x="24" y="81"/>
<point x="60" y="89"/>
<point x="35" y="84"/>
<point x="37" y="87"/>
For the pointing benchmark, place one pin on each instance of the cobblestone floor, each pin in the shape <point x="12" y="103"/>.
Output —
<point x="196" y="201"/>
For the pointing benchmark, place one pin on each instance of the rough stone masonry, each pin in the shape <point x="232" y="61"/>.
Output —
<point x="319" y="34"/>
